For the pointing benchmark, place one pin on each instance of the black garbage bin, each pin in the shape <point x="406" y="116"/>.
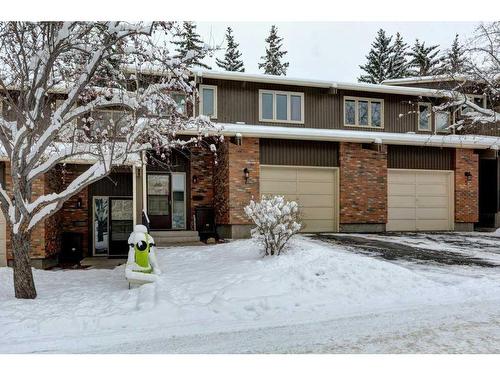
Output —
<point x="72" y="248"/>
<point x="205" y="222"/>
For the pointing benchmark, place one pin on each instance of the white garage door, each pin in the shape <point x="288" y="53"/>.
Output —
<point x="3" y="255"/>
<point x="420" y="200"/>
<point x="315" y="189"/>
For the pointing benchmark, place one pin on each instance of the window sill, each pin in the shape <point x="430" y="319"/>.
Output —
<point x="282" y="121"/>
<point x="364" y="126"/>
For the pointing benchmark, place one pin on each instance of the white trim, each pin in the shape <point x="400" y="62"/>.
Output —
<point x="289" y="95"/>
<point x="134" y="195"/>
<point x="356" y="100"/>
<point x="356" y="136"/>
<point x="429" y="117"/>
<point x="213" y="87"/>
<point x="172" y="200"/>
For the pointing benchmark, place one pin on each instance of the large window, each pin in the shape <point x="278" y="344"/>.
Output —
<point x="364" y="112"/>
<point x="180" y="101"/>
<point x="424" y="117"/>
<point x="281" y="106"/>
<point x="442" y="120"/>
<point x="208" y="101"/>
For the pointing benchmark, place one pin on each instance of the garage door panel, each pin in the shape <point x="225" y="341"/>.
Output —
<point x="426" y="204"/>
<point x="401" y="189"/>
<point x="402" y="213"/>
<point x="401" y="201"/>
<point x="315" y="174"/>
<point x="432" y="190"/>
<point x="314" y="189"/>
<point x="277" y="187"/>
<point x="308" y="187"/>
<point x="315" y="226"/>
<point x="318" y="200"/>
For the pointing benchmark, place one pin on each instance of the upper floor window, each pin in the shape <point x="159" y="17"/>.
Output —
<point x="424" y="117"/>
<point x="281" y="106"/>
<point x="208" y="100"/>
<point x="364" y="112"/>
<point x="180" y="101"/>
<point x="442" y="121"/>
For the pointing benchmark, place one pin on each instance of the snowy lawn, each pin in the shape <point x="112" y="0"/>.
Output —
<point x="227" y="298"/>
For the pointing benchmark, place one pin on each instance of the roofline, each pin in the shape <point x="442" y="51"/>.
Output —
<point x="284" y="80"/>
<point x="339" y="135"/>
<point x="424" y="79"/>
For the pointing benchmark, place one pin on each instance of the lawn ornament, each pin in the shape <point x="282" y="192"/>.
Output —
<point x="142" y="266"/>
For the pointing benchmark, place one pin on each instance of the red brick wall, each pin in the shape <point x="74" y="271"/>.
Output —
<point x="232" y="193"/>
<point x="202" y="192"/>
<point x="466" y="192"/>
<point x="363" y="184"/>
<point x="37" y="250"/>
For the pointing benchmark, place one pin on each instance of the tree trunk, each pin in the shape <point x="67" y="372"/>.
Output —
<point x="24" y="284"/>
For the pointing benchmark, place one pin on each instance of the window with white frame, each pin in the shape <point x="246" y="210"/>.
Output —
<point x="208" y="100"/>
<point x="180" y="101"/>
<point x="363" y="112"/>
<point x="281" y="106"/>
<point x="442" y="121"/>
<point x="424" y="117"/>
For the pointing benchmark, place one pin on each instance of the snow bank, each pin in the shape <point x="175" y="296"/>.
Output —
<point x="224" y="288"/>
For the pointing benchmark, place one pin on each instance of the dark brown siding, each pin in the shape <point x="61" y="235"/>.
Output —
<point x="116" y="185"/>
<point x="414" y="157"/>
<point x="292" y="152"/>
<point x="323" y="109"/>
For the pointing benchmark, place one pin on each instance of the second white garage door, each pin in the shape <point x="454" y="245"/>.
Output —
<point x="420" y="200"/>
<point x="314" y="188"/>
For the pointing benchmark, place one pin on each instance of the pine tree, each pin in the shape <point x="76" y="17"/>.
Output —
<point x="378" y="63"/>
<point x="188" y="41"/>
<point x="399" y="63"/>
<point x="272" y="60"/>
<point x="454" y="61"/>
<point x="425" y="60"/>
<point x="231" y="62"/>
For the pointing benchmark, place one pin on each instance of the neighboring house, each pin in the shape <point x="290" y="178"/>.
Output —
<point x="357" y="158"/>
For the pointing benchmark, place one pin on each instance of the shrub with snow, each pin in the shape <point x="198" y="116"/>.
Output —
<point x="276" y="220"/>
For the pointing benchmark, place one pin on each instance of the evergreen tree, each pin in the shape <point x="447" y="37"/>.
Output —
<point x="188" y="41"/>
<point x="455" y="61"/>
<point x="424" y="60"/>
<point x="231" y="62"/>
<point x="378" y="63"/>
<point x="271" y="62"/>
<point x="399" y="63"/>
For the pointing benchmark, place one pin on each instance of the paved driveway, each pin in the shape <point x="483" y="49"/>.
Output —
<point x="451" y="248"/>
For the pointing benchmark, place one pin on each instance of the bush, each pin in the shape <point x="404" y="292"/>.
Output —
<point x="276" y="220"/>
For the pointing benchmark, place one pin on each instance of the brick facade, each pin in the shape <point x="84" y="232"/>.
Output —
<point x="201" y="191"/>
<point x="232" y="192"/>
<point x="466" y="192"/>
<point x="363" y="184"/>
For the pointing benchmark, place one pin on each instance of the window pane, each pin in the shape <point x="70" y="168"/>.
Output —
<point x="208" y="102"/>
<point x="281" y="107"/>
<point x="424" y="119"/>
<point x="376" y="114"/>
<point x="363" y="112"/>
<point x="178" y="210"/>
<point x="350" y="112"/>
<point x="267" y="106"/>
<point x="296" y="107"/>
<point x="157" y="205"/>
<point x="180" y="100"/>
<point x="442" y="121"/>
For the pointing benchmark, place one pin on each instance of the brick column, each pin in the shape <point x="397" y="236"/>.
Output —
<point x="363" y="188"/>
<point x="466" y="192"/>
<point x="202" y="193"/>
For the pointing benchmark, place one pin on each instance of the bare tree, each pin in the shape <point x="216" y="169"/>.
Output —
<point x="54" y="77"/>
<point x="480" y="75"/>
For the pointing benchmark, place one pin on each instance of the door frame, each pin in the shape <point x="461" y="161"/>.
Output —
<point x="451" y="191"/>
<point x="336" y="186"/>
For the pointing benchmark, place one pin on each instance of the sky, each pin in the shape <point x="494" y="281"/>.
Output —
<point x="326" y="50"/>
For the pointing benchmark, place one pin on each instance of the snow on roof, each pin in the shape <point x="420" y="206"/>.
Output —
<point x="340" y="135"/>
<point x="424" y="79"/>
<point x="285" y="80"/>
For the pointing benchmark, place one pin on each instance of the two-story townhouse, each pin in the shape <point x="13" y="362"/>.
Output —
<point x="357" y="158"/>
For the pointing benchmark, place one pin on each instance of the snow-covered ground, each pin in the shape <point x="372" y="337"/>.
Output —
<point x="227" y="298"/>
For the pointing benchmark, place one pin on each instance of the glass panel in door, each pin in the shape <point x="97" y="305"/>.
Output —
<point x="159" y="201"/>
<point x="121" y="225"/>
<point x="100" y="226"/>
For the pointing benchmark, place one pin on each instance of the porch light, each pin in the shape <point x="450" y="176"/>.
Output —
<point x="195" y="179"/>
<point x="79" y="203"/>
<point x="246" y="173"/>
<point x="468" y="176"/>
